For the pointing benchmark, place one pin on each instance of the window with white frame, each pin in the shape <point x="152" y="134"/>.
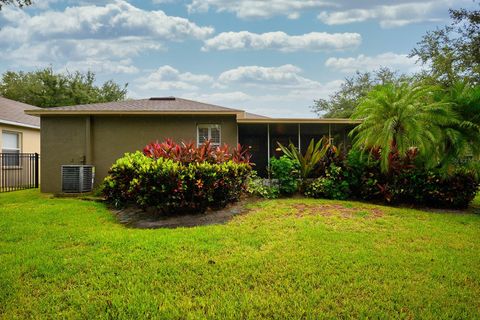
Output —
<point x="210" y="132"/>
<point x="10" y="148"/>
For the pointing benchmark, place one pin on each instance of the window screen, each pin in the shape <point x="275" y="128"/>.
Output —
<point x="11" y="148"/>
<point x="215" y="135"/>
<point x="210" y="132"/>
<point x="202" y="135"/>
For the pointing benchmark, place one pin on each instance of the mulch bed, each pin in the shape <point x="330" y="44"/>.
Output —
<point x="137" y="218"/>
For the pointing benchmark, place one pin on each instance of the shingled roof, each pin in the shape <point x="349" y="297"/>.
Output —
<point x="13" y="112"/>
<point x="152" y="105"/>
<point x="249" y="115"/>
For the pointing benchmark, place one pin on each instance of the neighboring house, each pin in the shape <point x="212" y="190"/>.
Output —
<point x="100" y="133"/>
<point x="19" y="133"/>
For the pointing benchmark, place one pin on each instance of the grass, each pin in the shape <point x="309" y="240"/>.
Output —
<point x="295" y="258"/>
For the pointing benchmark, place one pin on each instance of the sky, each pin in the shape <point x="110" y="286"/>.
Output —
<point x="271" y="57"/>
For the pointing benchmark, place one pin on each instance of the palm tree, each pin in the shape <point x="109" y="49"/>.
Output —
<point x="462" y="138"/>
<point x="400" y="117"/>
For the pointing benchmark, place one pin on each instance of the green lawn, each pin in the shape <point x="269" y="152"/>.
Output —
<point x="66" y="258"/>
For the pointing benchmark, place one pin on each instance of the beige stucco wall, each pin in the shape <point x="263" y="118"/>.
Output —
<point x="65" y="139"/>
<point x="30" y="138"/>
<point x="62" y="142"/>
<point x="29" y="143"/>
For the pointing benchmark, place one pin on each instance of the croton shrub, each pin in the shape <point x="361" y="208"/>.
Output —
<point x="435" y="189"/>
<point x="409" y="182"/>
<point x="358" y="176"/>
<point x="172" y="178"/>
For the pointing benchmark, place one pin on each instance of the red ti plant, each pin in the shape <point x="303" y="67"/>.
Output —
<point x="167" y="149"/>
<point x="397" y="163"/>
<point x="241" y="154"/>
<point x="189" y="152"/>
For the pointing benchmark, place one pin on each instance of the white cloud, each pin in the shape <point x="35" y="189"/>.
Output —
<point x="258" y="8"/>
<point x="291" y="103"/>
<point x="368" y="63"/>
<point x="235" y="98"/>
<point x="273" y="91"/>
<point x="390" y="12"/>
<point x="395" y="15"/>
<point x="286" y="76"/>
<point x="102" y="66"/>
<point x="286" y="103"/>
<point x="252" y="77"/>
<point x="314" y="41"/>
<point x="105" y="38"/>
<point x="101" y="22"/>
<point x="65" y="49"/>
<point x="169" y="78"/>
<point x="109" y="56"/>
<point x="276" y="91"/>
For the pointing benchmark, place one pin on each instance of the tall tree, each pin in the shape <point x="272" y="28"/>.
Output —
<point x="397" y="118"/>
<point x="453" y="51"/>
<point x="342" y="103"/>
<point x="19" y="3"/>
<point x="45" y="88"/>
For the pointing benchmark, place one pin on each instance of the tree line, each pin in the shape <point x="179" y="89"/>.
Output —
<point x="45" y="88"/>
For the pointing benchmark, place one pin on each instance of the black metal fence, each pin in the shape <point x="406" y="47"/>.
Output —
<point x="19" y="171"/>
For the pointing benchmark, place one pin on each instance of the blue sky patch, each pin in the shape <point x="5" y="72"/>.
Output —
<point x="270" y="57"/>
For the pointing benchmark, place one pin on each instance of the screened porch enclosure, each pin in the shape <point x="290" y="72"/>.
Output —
<point x="263" y="138"/>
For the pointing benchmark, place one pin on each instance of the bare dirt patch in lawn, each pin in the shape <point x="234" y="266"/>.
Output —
<point x="329" y="210"/>
<point x="137" y="218"/>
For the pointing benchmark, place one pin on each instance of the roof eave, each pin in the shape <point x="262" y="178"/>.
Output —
<point x="299" y="120"/>
<point x="19" y="124"/>
<point x="44" y="112"/>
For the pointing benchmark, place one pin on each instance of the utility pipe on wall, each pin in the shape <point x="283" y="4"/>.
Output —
<point x="88" y="140"/>
<point x="268" y="148"/>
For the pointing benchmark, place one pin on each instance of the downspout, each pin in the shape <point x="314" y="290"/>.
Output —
<point x="88" y="140"/>
<point x="268" y="149"/>
<point x="329" y="133"/>
<point x="238" y="138"/>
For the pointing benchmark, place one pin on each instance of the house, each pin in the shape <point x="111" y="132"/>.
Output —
<point x="20" y="131"/>
<point x="19" y="134"/>
<point x="100" y="133"/>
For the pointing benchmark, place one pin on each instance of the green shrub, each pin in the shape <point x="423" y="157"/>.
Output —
<point x="434" y="189"/>
<point x="455" y="191"/>
<point x="364" y="176"/>
<point x="257" y="187"/>
<point x="408" y="183"/>
<point x="332" y="186"/>
<point x="120" y="186"/>
<point x="171" y="186"/>
<point x="359" y="177"/>
<point x="285" y="171"/>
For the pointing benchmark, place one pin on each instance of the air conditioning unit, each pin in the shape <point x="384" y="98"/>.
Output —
<point x="77" y="178"/>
